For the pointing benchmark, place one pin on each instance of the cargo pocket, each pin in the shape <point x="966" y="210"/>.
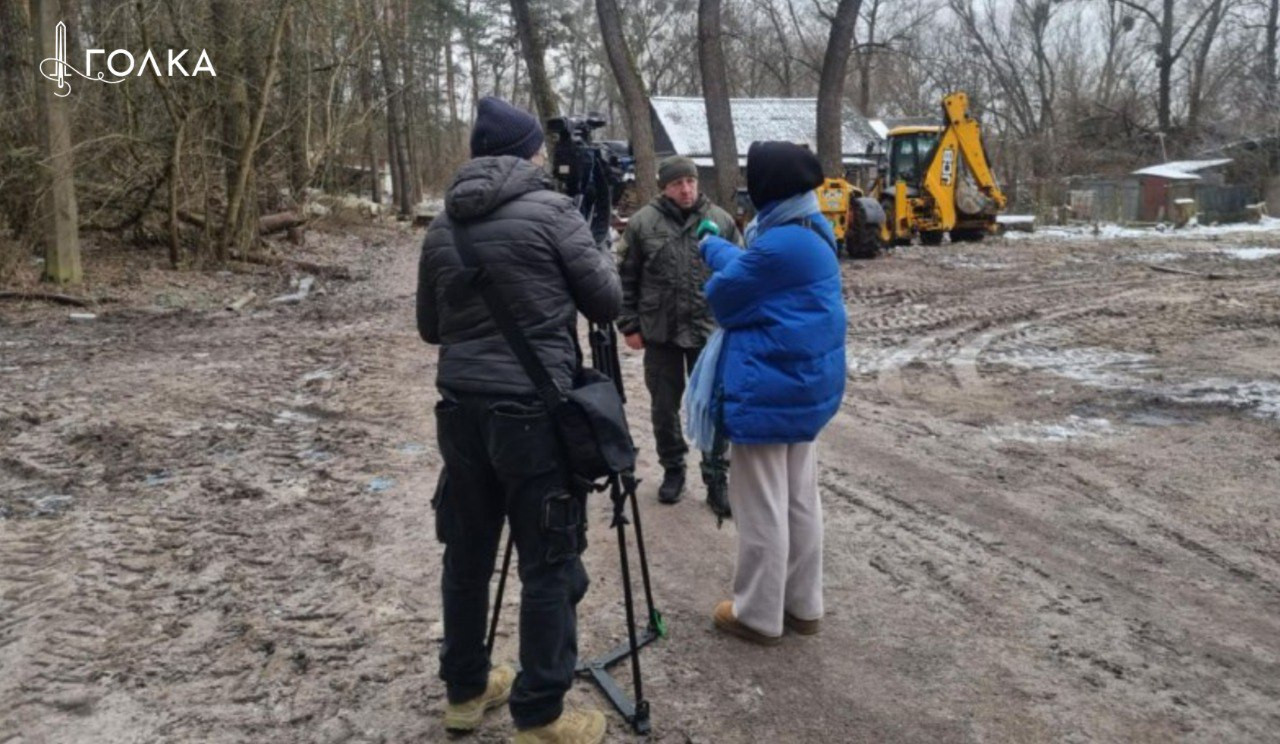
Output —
<point x="564" y="525"/>
<point x="522" y="439"/>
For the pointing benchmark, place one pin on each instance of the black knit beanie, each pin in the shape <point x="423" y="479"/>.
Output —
<point x="780" y="170"/>
<point x="503" y="129"/>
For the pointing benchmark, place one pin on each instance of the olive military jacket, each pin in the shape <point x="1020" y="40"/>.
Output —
<point x="663" y="273"/>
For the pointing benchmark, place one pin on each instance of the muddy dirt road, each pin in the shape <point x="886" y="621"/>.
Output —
<point x="1051" y="500"/>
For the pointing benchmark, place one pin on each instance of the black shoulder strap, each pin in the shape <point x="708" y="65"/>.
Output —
<point x="478" y="277"/>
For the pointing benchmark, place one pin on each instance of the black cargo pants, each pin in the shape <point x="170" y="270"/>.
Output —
<point x="666" y="372"/>
<point x="502" y="462"/>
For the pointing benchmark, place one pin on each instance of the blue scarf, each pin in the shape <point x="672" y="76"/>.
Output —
<point x="780" y="212"/>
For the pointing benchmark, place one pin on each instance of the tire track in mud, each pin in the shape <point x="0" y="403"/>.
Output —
<point x="1081" y="620"/>
<point x="988" y="314"/>
<point x="212" y="572"/>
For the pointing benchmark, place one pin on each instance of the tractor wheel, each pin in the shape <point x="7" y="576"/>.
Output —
<point x="931" y="237"/>
<point x="862" y="244"/>
<point x="968" y="236"/>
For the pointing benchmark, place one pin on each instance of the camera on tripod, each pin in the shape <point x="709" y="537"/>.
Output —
<point x="591" y="172"/>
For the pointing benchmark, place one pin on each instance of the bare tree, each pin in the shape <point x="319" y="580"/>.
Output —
<point x="1270" y="57"/>
<point x="1197" y="90"/>
<point x="535" y="53"/>
<point x="235" y="234"/>
<point x="715" y="92"/>
<point x="397" y="132"/>
<point x="61" y="228"/>
<point x="831" y="86"/>
<point x="1169" y="47"/>
<point x="634" y="98"/>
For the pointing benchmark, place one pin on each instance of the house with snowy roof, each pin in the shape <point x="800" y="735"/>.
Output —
<point x="1161" y="186"/>
<point x="680" y="128"/>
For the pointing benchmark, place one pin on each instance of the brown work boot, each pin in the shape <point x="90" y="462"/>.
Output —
<point x="467" y="716"/>
<point x="572" y="727"/>
<point x="803" y="627"/>
<point x="728" y="623"/>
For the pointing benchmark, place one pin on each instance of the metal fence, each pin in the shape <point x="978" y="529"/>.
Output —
<point x="1121" y="201"/>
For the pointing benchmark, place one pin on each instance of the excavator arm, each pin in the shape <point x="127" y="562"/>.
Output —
<point x="961" y="141"/>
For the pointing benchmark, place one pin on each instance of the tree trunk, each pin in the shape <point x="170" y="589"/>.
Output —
<point x="15" y="54"/>
<point x="1270" y="58"/>
<point x="535" y="52"/>
<point x="831" y="87"/>
<point x="241" y="201"/>
<point x="234" y="99"/>
<point x="1196" y="93"/>
<point x="61" y="228"/>
<point x="408" y="99"/>
<point x="365" y="86"/>
<point x="397" y="136"/>
<point x="296" y="102"/>
<point x="865" y="62"/>
<point x="635" y="101"/>
<point x="1164" y="64"/>
<point x="715" y="92"/>
<point x="174" y="173"/>
<point x="451" y="90"/>
<point x="473" y="58"/>
<point x="393" y="160"/>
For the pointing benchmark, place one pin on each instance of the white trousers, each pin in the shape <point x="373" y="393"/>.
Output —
<point x="773" y="489"/>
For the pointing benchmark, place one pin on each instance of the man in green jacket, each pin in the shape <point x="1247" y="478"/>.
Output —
<point x="665" y="313"/>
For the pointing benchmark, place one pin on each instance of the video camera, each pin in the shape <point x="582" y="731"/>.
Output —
<point x="591" y="172"/>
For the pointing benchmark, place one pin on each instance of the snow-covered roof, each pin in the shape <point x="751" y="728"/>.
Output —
<point x="1180" y="170"/>
<point x="707" y="162"/>
<point x="879" y="127"/>
<point x="755" y="119"/>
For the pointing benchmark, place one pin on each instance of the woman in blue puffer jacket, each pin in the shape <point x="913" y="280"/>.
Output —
<point x="781" y="376"/>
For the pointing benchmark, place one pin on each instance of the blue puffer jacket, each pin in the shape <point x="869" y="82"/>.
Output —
<point x="783" y="365"/>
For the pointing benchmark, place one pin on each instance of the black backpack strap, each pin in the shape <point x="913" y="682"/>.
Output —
<point x="478" y="277"/>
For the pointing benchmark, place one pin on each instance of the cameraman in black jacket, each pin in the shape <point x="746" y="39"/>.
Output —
<point x="500" y="450"/>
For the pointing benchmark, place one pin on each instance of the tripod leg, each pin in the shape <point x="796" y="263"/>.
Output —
<point x="631" y="613"/>
<point x="656" y="623"/>
<point x="497" y="602"/>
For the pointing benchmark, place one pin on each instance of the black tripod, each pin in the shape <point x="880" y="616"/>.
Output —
<point x="622" y="488"/>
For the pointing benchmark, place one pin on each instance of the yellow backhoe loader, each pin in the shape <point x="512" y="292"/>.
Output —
<point x="938" y="180"/>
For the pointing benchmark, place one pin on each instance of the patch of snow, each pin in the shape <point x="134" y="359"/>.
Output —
<point x="1250" y="254"/>
<point x="1074" y="427"/>
<point x="1111" y="231"/>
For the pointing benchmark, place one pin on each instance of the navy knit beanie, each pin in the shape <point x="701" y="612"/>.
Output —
<point x="503" y="129"/>
<point x="780" y="170"/>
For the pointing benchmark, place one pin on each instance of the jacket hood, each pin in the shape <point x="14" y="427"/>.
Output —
<point x="484" y="184"/>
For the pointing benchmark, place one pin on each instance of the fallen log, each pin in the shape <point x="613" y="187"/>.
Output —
<point x="326" y="271"/>
<point x="61" y="299"/>
<point x="267" y="224"/>
<point x="279" y="222"/>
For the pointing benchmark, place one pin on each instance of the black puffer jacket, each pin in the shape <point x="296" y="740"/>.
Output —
<point x="540" y="254"/>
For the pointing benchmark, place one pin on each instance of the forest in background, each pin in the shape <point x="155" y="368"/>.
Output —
<point x="319" y="94"/>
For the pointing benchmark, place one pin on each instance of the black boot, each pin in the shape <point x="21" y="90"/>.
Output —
<point x="718" y="499"/>
<point x="672" y="487"/>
